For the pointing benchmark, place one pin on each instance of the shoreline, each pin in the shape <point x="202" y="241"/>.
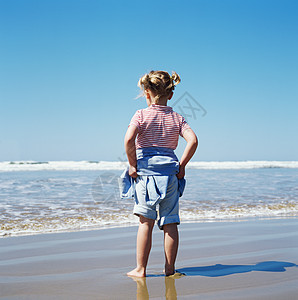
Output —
<point x="255" y="259"/>
<point x="100" y="228"/>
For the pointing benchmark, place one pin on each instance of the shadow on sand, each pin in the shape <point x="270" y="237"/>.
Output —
<point x="224" y="270"/>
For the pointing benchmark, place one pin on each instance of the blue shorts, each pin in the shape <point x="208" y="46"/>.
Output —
<point x="167" y="205"/>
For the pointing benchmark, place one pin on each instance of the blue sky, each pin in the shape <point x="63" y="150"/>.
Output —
<point x="69" y="73"/>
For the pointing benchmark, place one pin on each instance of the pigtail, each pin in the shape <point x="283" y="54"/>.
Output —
<point x="159" y="82"/>
<point x="175" y="78"/>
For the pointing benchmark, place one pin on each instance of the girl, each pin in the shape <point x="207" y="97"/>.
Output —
<point x="158" y="175"/>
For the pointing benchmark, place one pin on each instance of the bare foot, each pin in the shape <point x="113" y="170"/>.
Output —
<point x="137" y="273"/>
<point x="174" y="275"/>
<point x="169" y="271"/>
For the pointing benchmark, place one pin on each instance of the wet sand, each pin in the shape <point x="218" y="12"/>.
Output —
<point x="254" y="259"/>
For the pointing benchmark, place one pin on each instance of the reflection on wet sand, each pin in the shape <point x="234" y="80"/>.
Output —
<point x="170" y="288"/>
<point x="171" y="293"/>
<point x="142" y="290"/>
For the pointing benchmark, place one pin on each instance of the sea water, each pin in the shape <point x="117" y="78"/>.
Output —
<point x="45" y="197"/>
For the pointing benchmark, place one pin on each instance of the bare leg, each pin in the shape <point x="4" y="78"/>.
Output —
<point x="171" y="241"/>
<point x="144" y="241"/>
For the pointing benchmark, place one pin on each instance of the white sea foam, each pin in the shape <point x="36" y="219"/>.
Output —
<point x="76" y="222"/>
<point x="217" y="165"/>
<point x="61" y="166"/>
<point x="240" y="212"/>
<point x="7" y="166"/>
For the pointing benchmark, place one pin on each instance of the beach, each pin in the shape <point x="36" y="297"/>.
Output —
<point x="248" y="259"/>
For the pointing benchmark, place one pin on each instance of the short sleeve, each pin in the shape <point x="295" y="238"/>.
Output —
<point x="184" y="126"/>
<point x="136" y="119"/>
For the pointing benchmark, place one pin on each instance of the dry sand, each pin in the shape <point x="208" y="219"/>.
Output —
<point x="254" y="259"/>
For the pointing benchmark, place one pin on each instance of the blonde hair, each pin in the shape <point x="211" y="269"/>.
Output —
<point x="159" y="82"/>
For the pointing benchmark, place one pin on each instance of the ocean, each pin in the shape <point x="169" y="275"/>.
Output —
<point x="48" y="197"/>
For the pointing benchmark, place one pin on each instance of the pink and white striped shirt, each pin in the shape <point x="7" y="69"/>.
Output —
<point x="158" y="126"/>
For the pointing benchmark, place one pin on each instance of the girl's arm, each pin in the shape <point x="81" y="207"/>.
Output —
<point x="190" y="149"/>
<point x="130" y="149"/>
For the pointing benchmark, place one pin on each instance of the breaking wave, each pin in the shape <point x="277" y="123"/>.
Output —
<point x="13" y="166"/>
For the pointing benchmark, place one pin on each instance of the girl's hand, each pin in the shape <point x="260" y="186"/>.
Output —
<point x="181" y="172"/>
<point x="132" y="172"/>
